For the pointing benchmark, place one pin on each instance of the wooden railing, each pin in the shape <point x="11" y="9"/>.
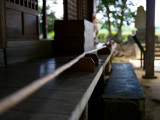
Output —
<point x="33" y="4"/>
<point x="15" y="98"/>
<point x="141" y="49"/>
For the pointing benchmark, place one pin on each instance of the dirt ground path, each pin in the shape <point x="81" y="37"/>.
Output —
<point x="151" y="89"/>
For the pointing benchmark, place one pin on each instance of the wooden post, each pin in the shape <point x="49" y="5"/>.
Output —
<point x="65" y="4"/>
<point x="44" y="20"/>
<point x="92" y="9"/>
<point x="84" y="115"/>
<point x="150" y="39"/>
<point x="2" y="24"/>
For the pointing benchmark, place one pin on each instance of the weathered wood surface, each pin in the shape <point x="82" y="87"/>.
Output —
<point x="17" y="97"/>
<point x="61" y="99"/>
<point x="18" y="51"/>
<point x="22" y="20"/>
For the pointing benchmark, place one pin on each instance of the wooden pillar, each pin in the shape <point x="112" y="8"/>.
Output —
<point x="150" y="39"/>
<point x="2" y="24"/>
<point x="44" y="20"/>
<point x="92" y="9"/>
<point x="65" y="5"/>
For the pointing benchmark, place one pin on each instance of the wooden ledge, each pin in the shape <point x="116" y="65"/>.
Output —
<point x="85" y="64"/>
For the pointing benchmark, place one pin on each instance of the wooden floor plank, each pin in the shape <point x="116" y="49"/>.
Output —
<point x="63" y="98"/>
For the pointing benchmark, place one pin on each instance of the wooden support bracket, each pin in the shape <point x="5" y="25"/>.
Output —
<point x="107" y="50"/>
<point x="104" y="51"/>
<point x="94" y="57"/>
<point x="85" y="64"/>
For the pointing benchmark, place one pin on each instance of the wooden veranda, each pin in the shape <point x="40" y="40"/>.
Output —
<point x="55" y="79"/>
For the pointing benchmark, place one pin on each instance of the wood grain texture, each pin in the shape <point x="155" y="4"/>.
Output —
<point x="25" y="50"/>
<point x="86" y="9"/>
<point x="14" y="22"/>
<point x="24" y="9"/>
<point x="22" y="21"/>
<point x="23" y="38"/>
<point x="80" y="9"/>
<point x="30" y="25"/>
<point x="60" y="85"/>
<point x="3" y="41"/>
<point x="77" y="32"/>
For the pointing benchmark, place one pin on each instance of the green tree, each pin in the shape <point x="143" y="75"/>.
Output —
<point x="50" y="16"/>
<point x="116" y="13"/>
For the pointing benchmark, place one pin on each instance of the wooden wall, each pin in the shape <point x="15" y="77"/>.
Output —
<point x="85" y="9"/>
<point x="22" y="20"/>
<point x="22" y="32"/>
<point x="19" y="33"/>
<point x="79" y="9"/>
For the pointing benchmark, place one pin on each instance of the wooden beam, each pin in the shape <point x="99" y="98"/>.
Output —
<point x="2" y="24"/>
<point x="44" y="20"/>
<point x="150" y="39"/>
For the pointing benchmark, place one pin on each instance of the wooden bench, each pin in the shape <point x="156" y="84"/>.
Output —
<point x="123" y="97"/>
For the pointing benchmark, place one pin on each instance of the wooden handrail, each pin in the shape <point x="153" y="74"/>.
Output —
<point x="15" y="98"/>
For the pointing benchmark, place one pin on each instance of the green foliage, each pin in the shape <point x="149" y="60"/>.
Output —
<point x="119" y="13"/>
<point x="116" y="11"/>
<point x="157" y="32"/>
<point x="124" y="37"/>
<point x="126" y="31"/>
<point x="50" y="18"/>
<point x="50" y="35"/>
<point x="102" y="34"/>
